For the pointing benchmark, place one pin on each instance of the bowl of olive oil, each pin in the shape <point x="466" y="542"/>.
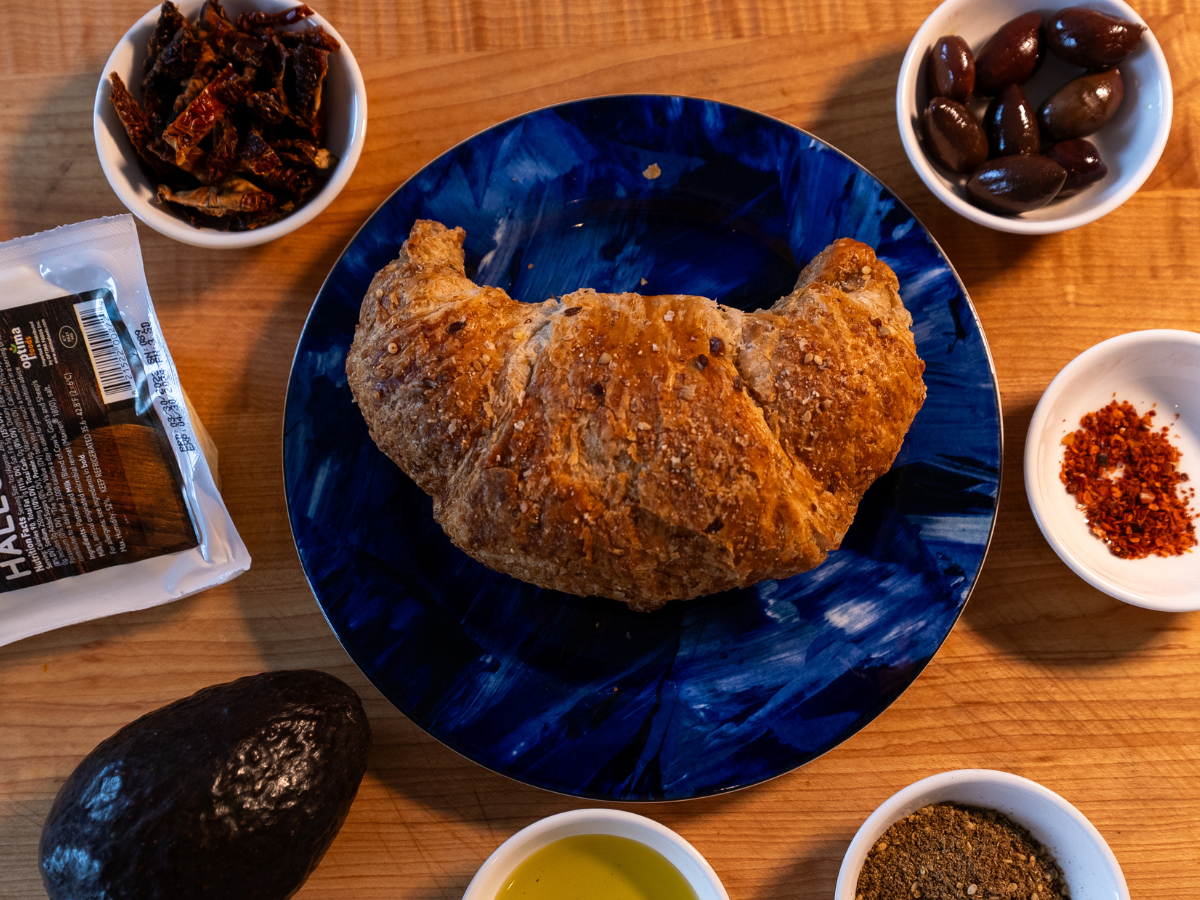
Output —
<point x="596" y="854"/>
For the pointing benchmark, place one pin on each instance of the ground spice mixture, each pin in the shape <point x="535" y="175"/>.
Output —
<point x="1122" y="471"/>
<point x="947" y="851"/>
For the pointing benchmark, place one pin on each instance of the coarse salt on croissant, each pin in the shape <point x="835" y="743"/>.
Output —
<point x="640" y="448"/>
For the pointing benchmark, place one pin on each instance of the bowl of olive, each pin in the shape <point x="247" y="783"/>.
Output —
<point x="1031" y="118"/>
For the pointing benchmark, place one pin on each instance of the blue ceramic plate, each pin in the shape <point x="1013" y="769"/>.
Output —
<point x="579" y="695"/>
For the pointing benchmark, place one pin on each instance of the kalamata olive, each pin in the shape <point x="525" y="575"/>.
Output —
<point x="1085" y="37"/>
<point x="1016" y="184"/>
<point x="952" y="136"/>
<point x="1010" y="124"/>
<point x="1011" y="56"/>
<point x="1082" y="106"/>
<point x="951" y="69"/>
<point x="1082" y="161"/>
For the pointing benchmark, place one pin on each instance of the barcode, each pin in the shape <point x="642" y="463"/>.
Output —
<point x="104" y="347"/>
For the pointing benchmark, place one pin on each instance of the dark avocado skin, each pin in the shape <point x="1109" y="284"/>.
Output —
<point x="233" y="793"/>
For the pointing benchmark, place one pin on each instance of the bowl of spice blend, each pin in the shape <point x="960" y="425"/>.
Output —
<point x="978" y="834"/>
<point x="1112" y="459"/>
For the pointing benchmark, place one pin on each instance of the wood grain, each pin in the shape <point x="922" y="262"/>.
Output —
<point x="1042" y="676"/>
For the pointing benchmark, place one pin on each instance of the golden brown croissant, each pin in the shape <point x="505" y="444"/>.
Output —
<point x="639" y="448"/>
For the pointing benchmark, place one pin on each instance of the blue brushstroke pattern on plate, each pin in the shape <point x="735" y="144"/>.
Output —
<point x="579" y="695"/>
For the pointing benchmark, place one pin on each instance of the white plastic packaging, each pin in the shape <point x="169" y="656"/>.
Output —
<point x="107" y="501"/>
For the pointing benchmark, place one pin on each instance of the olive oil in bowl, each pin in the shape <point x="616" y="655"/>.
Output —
<point x="596" y="867"/>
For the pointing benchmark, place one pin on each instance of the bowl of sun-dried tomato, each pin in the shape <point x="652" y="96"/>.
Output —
<point x="1112" y="460"/>
<point x="228" y="124"/>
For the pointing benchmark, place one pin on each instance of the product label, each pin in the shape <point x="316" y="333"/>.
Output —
<point x="87" y="475"/>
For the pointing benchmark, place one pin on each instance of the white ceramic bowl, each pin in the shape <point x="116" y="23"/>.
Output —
<point x="344" y="98"/>
<point x="1144" y="367"/>
<point x="1088" y="865"/>
<point x="492" y="874"/>
<point x="1130" y="144"/>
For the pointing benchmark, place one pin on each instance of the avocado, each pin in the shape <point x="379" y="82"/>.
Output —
<point x="233" y="793"/>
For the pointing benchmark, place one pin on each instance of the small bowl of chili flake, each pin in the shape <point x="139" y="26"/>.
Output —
<point x="229" y="123"/>
<point x="1112" y="461"/>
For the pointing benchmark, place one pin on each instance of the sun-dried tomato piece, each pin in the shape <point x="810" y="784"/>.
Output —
<point x="170" y="20"/>
<point x="237" y="221"/>
<point x="246" y="48"/>
<point x="268" y="100"/>
<point x="178" y="59"/>
<point x="305" y="77"/>
<point x="236" y="89"/>
<point x="259" y="159"/>
<point x="270" y="106"/>
<point x="161" y="85"/>
<point x="197" y="119"/>
<point x="195" y="164"/>
<point x="183" y="174"/>
<point x="131" y="115"/>
<point x="237" y="195"/>
<point x="303" y="154"/>
<point x="136" y="123"/>
<point x="215" y="27"/>
<point x="251" y="221"/>
<point x="256" y="21"/>
<point x="224" y="154"/>
<point x="273" y="62"/>
<point x="257" y="156"/>
<point x="312" y="36"/>
<point x="206" y="70"/>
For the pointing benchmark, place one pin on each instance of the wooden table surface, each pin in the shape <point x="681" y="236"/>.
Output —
<point x="1042" y="676"/>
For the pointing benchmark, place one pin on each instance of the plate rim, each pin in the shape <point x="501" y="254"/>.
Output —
<point x="991" y="364"/>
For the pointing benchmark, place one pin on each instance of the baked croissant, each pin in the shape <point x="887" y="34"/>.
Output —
<point x="640" y="448"/>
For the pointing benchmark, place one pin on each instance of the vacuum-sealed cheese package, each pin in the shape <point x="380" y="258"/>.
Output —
<point x="107" y="500"/>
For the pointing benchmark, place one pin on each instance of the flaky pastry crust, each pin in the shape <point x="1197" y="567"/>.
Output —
<point x="640" y="448"/>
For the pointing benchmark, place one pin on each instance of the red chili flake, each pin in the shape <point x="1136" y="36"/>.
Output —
<point x="1128" y="491"/>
